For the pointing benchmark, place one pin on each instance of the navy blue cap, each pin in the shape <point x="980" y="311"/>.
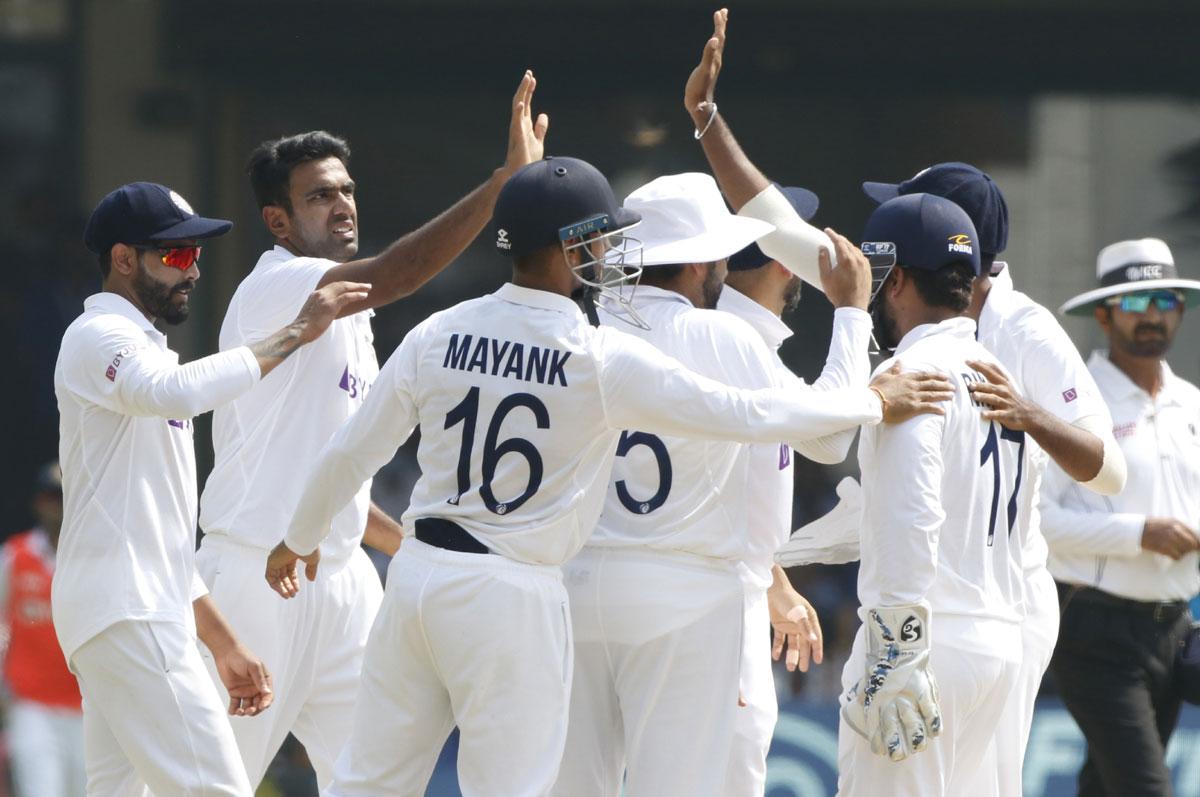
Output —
<point x="969" y="188"/>
<point x="550" y="195"/>
<point x="804" y="201"/>
<point x="145" y="212"/>
<point x="929" y="232"/>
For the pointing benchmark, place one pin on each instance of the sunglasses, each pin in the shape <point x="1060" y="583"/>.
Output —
<point x="180" y="257"/>
<point x="1165" y="301"/>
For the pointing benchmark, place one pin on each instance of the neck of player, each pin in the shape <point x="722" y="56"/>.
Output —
<point x="1145" y="372"/>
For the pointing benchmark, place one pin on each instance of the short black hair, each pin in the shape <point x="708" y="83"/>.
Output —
<point x="658" y="276"/>
<point x="949" y="286"/>
<point x="271" y="163"/>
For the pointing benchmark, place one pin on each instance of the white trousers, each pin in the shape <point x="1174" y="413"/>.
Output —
<point x="657" y="652"/>
<point x="312" y="645"/>
<point x="476" y="640"/>
<point x="973" y="686"/>
<point x="151" y="717"/>
<point x="45" y="746"/>
<point x="1039" y="633"/>
<point x="755" y="723"/>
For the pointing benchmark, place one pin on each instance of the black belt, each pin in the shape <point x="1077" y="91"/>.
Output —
<point x="445" y="534"/>
<point x="1160" y="611"/>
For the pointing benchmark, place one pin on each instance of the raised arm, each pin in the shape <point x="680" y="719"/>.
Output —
<point x="795" y="243"/>
<point x="417" y="257"/>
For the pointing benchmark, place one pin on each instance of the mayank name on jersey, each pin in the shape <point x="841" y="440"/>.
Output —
<point x="506" y="358"/>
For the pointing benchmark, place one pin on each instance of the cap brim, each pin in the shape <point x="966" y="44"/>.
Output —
<point x="734" y="234"/>
<point x="881" y="192"/>
<point x="196" y="228"/>
<point x="1083" y="303"/>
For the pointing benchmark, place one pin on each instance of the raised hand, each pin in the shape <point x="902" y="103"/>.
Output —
<point x="1004" y="403"/>
<point x="703" y="81"/>
<point x="847" y="280"/>
<point x="526" y="137"/>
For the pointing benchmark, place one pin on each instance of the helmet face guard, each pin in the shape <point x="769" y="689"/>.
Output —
<point x="615" y="273"/>
<point x="882" y="257"/>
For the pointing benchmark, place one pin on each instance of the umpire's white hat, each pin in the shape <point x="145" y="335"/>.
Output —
<point x="1129" y="266"/>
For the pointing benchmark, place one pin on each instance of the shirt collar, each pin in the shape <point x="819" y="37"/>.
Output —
<point x="1117" y="386"/>
<point x="109" y="302"/>
<point x="533" y="297"/>
<point x="958" y="327"/>
<point x="765" y="323"/>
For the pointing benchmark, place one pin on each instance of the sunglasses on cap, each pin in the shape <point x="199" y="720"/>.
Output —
<point x="1139" y="302"/>
<point x="180" y="257"/>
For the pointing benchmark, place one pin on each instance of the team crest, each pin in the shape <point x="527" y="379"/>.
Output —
<point x="182" y="204"/>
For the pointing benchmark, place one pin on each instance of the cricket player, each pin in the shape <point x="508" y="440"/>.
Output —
<point x="656" y="595"/>
<point x="521" y="404"/>
<point x="127" y="602"/>
<point x="939" y="583"/>
<point x="266" y="439"/>
<point x="1059" y="408"/>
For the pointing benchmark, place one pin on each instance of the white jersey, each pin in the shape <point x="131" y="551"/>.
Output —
<point x="129" y="469"/>
<point x="1033" y="347"/>
<point x="768" y="513"/>
<point x="682" y="493"/>
<point x="265" y="441"/>
<point x="941" y="496"/>
<point x="521" y="404"/>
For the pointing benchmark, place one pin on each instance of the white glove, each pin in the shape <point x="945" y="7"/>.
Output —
<point x="831" y="539"/>
<point x="895" y="705"/>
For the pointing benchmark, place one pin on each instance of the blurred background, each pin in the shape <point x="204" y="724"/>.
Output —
<point x="1086" y="112"/>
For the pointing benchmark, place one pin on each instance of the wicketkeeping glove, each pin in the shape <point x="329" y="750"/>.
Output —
<point x="895" y="705"/>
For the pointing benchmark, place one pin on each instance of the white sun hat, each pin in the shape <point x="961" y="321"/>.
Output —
<point x="1130" y="266"/>
<point x="685" y="220"/>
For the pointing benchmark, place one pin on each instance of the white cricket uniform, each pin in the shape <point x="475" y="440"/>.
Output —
<point x="265" y="441"/>
<point x="521" y="404"/>
<point x="767" y="518"/>
<point x="941" y="495"/>
<point x="125" y="578"/>
<point x="1032" y="346"/>
<point x="1095" y="540"/>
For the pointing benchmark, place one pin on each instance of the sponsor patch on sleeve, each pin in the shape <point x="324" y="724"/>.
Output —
<point x="1070" y="395"/>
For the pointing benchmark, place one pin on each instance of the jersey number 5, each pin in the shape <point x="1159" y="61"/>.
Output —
<point x="663" y="459"/>
<point x="493" y="449"/>
<point x="991" y="451"/>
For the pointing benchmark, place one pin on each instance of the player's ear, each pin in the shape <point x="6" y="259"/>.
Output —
<point x="277" y="221"/>
<point x="124" y="259"/>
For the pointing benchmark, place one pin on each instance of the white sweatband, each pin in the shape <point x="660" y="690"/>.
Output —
<point x="1111" y="478"/>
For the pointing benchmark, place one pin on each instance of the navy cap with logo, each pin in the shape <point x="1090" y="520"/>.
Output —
<point x="928" y="232"/>
<point x="966" y="186"/>
<point x="139" y="213"/>
<point x="549" y="196"/>
<point x="804" y="201"/>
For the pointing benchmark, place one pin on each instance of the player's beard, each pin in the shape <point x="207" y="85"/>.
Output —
<point x="711" y="289"/>
<point x="1150" y="346"/>
<point x="886" y="332"/>
<point x="791" y="294"/>
<point x="157" y="297"/>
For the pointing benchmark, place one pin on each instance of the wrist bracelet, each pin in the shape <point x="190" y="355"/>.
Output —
<point x="883" y="403"/>
<point x="699" y="134"/>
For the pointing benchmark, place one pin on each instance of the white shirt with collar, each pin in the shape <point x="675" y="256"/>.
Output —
<point x="129" y="472"/>
<point x="768" y="513"/>
<point x="1096" y="540"/>
<point x="265" y="441"/>
<point x="936" y="522"/>
<point x="521" y="404"/>
<point x="1034" y="348"/>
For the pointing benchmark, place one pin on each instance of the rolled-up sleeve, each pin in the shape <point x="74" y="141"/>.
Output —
<point x="795" y="243"/>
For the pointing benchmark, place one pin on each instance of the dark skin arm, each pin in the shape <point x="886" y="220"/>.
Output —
<point x="415" y="258"/>
<point x="383" y="532"/>
<point x="1079" y="453"/>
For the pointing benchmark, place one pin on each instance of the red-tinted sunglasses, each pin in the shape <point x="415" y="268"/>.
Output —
<point x="180" y="257"/>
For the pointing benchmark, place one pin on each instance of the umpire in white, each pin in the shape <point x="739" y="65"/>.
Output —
<point x="1127" y="565"/>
